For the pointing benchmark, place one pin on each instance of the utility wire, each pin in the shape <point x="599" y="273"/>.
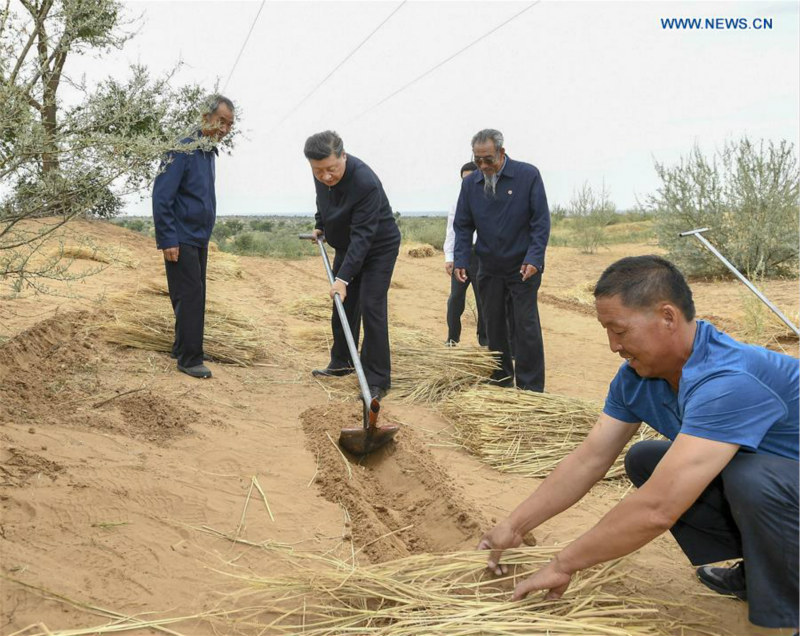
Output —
<point x="443" y="62"/>
<point x="338" y="66"/>
<point x="244" y="44"/>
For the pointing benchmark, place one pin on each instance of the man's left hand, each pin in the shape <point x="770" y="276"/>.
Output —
<point x="527" y="271"/>
<point x="551" y="577"/>
<point x="340" y="288"/>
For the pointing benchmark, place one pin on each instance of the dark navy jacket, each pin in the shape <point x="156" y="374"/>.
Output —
<point x="184" y="199"/>
<point x="513" y="226"/>
<point x="355" y="216"/>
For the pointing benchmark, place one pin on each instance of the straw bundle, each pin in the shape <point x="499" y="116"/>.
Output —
<point x="313" y="308"/>
<point x="92" y="253"/>
<point x="450" y="594"/>
<point x="424" y="370"/>
<point x="523" y="432"/>
<point x="222" y="266"/>
<point x="421" y="250"/>
<point x="144" y="320"/>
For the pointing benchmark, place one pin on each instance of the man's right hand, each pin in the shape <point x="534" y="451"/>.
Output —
<point x="461" y="274"/>
<point x="316" y="234"/>
<point x="499" y="538"/>
<point x="171" y="254"/>
<point x="448" y="267"/>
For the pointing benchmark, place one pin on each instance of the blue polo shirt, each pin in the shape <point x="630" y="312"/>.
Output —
<point x="513" y="225"/>
<point x="184" y="199"/>
<point x="728" y="392"/>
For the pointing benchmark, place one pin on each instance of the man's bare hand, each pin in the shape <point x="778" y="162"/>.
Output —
<point x="171" y="254"/>
<point x="461" y="274"/>
<point x="527" y="271"/>
<point x="316" y="234"/>
<point x="340" y="288"/>
<point x="551" y="577"/>
<point x="499" y="538"/>
<point x="448" y="267"/>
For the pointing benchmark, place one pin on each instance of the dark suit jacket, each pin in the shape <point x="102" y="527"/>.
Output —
<point x="355" y="216"/>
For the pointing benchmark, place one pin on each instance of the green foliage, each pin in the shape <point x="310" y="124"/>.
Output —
<point x="591" y="212"/>
<point x="423" y="229"/>
<point x="746" y="194"/>
<point x="82" y="159"/>
<point x="261" y="225"/>
<point x="557" y="214"/>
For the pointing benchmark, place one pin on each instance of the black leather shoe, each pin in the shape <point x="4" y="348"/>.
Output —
<point x="377" y="392"/>
<point x="729" y="581"/>
<point x="329" y="372"/>
<point x="197" y="371"/>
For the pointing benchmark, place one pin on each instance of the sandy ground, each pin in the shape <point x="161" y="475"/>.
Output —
<point x="121" y="478"/>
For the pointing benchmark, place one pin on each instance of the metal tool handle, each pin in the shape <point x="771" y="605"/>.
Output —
<point x="698" y="233"/>
<point x="351" y="343"/>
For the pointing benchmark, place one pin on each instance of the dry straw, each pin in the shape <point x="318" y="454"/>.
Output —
<point x="449" y="594"/>
<point x="420" y="250"/>
<point x="222" y="266"/>
<point x="426" y="371"/>
<point x="312" y="308"/>
<point x="144" y="320"/>
<point x="107" y="256"/>
<point x="523" y="432"/>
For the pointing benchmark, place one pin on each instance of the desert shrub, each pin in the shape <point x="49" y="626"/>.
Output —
<point x="261" y="225"/>
<point x="746" y="194"/>
<point x="591" y="212"/>
<point x="423" y="229"/>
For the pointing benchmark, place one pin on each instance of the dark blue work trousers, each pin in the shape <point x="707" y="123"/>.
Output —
<point x="457" y="300"/>
<point x="749" y="511"/>
<point x="186" y="281"/>
<point x="367" y="302"/>
<point x="502" y="294"/>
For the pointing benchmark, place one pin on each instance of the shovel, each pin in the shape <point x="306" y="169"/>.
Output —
<point x="370" y="437"/>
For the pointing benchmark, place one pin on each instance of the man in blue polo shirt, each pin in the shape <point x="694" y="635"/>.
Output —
<point x="506" y="203"/>
<point x="184" y="211"/>
<point x="726" y="481"/>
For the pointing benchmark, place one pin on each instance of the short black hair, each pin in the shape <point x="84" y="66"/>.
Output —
<point x="213" y="102"/>
<point x="468" y="167"/>
<point x="643" y="281"/>
<point x="322" y="145"/>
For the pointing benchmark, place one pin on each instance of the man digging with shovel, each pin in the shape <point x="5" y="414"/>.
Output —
<point x="354" y="216"/>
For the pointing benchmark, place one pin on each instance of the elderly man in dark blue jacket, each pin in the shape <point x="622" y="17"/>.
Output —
<point x="506" y="203"/>
<point x="184" y="211"/>
<point x="354" y="216"/>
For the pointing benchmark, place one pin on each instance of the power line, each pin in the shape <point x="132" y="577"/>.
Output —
<point x="244" y="44"/>
<point x="443" y="62"/>
<point x="338" y="66"/>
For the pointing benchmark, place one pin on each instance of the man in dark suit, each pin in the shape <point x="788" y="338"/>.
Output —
<point x="506" y="203"/>
<point x="354" y="216"/>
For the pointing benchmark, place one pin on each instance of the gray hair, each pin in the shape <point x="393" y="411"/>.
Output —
<point x="213" y="102"/>
<point x="322" y="145"/>
<point x="488" y="134"/>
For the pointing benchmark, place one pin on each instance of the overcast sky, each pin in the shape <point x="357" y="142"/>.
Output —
<point x="586" y="91"/>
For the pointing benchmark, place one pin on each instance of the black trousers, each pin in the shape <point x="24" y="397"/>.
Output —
<point x="457" y="300"/>
<point x="507" y="293"/>
<point x="749" y="511"/>
<point x="186" y="280"/>
<point x="366" y="301"/>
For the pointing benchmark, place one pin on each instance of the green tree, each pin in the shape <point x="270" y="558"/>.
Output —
<point x="746" y="194"/>
<point x="60" y="159"/>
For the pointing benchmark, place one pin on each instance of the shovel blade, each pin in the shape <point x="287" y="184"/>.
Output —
<point x="370" y="437"/>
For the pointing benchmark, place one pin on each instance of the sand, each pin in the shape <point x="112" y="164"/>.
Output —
<point x="120" y="477"/>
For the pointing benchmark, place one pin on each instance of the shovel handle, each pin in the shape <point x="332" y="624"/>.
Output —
<point x="369" y="407"/>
